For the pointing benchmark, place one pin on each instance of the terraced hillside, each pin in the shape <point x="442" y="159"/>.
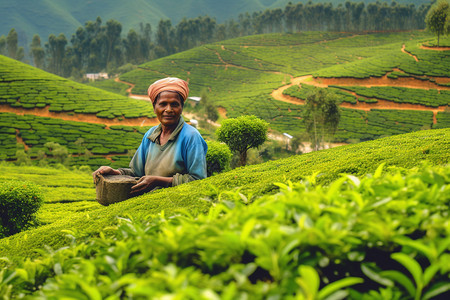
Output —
<point x="248" y="76"/>
<point x="37" y="107"/>
<point x="365" y="224"/>
<point x="25" y="87"/>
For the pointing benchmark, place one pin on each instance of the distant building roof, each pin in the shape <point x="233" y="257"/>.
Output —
<point x="196" y="99"/>
<point x="288" y="135"/>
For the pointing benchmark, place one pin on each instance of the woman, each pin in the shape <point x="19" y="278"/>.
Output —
<point x="171" y="153"/>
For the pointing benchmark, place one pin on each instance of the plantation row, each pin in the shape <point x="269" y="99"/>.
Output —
<point x="433" y="98"/>
<point x="295" y="54"/>
<point x="37" y="131"/>
<point x="358" y="159"/>
<point x="431" y="63"/>
<point x="250" y="68"/>
<point x="369" y="233"/>
<point x="24" y="86"/>
<point x="302" y="92"/>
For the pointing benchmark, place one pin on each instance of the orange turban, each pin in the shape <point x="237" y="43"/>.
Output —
<point x="172" y="84"/>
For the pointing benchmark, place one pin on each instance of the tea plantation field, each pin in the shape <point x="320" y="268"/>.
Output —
<point x="34" y="132"/>
<point x="363" y="220"/>
<point x="22" y="86"/>
<point x="241" y="73"/>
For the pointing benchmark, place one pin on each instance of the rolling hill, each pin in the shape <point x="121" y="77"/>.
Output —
<point x="37" y="107"/>
<point x="250" y="75"/>
<point x="350" y="221"/>
<point x="54" y="17"/>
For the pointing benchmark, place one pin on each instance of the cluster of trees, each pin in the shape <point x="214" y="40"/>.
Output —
<point x="102" y="47"/>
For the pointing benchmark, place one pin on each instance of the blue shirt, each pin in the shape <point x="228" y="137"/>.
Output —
<point x="183" y="157"/>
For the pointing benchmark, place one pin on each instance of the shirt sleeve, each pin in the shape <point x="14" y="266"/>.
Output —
<point x="137" y="163"/>
<point x="194" y="155"/>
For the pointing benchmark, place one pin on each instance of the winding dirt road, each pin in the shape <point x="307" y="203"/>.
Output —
<point x="361" y="105"/>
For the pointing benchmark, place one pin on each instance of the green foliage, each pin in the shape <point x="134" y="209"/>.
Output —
<point x="87" y="218"/>
<point x="302" y="92"/>
<point x="433" y="98"/>
<point x="243" y="133"/>
<point x="26" y="87"/>
<point x="58" y="139"/>
<point x="321" y="115"/>
<point x="19" y="202"/>
<point x="385" y="233"/>
<point x="240" y="74"/>
<point x="218" y="157"/>
<point x="438" y="18"/>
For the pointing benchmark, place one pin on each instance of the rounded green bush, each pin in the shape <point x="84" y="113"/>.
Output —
<point x="19" y="201"/>
<point x="218" y="157"/>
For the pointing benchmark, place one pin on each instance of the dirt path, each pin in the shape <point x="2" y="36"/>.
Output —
<point x="361" y="105"/>
<point x="445" y="48"/>
<point x="130" y="94"/>
<point x="404" y="51"/>
<point x="88" y="118"/>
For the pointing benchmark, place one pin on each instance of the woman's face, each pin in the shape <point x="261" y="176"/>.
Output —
<point x="168" y="108"/>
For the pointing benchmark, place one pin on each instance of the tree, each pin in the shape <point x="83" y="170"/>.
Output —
<point x="438" y="17"/>
<point x="113" y="30"/>
<point x="11" y="43"/>
<point x="2" y="45"/>
<point x="59" y="152"/>
<point x="37" y="52"/>
<point x="321" y="115"/>
<point x="80" y="145"/>
<point x="243" y="133"/>
<point x="210" y="110"/>
<point x="22" y="158"/>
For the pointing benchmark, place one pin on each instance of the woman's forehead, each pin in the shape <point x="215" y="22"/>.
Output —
<point x="168" y="94"/>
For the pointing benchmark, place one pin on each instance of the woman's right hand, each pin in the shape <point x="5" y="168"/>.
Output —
<point x="105" y="170"/>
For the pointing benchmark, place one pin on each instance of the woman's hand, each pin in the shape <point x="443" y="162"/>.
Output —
<point x="105" y="170"/>
<point x="147" y="183"/>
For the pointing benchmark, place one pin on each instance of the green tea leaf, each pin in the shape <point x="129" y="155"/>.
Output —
<point x="376" y="276"/>
<point x="401" y="279"/>
<point x="338" y="285"/>
<point x="411" y="265"/>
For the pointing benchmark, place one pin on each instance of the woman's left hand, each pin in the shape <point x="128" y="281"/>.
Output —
<point x="147" y="183"/>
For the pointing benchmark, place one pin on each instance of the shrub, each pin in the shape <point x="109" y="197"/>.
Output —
<point x="243" y="133"/>
<point x="218" y="157"/>
<point x="19" y="201"/>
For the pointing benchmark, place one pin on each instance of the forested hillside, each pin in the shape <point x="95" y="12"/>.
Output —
<point x="43" y="17"/>
<point x="102" y="44"/>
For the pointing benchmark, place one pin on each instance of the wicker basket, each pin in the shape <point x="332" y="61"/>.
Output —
<point x="114" y="188"/>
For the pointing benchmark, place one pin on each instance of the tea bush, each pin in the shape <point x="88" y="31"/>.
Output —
<point x="87" y="219"/>
<point x="19" y="202"/>
<point x="218" y="158"/>
<point x="433" y="98"/>
<point x="37" y="131"/>
<point x="26" y="87"/>
<point x="382" y="234"/>
<point x="240" y="74"/>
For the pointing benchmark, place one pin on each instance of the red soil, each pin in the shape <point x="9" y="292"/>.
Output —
<point x="88" y="118"/>
<point x="404" y="51"/>
<point x="445" y="48"/>
<point x="381" y="104"/>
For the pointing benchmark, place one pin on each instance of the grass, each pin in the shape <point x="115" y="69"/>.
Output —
<point x="87" y="219"/>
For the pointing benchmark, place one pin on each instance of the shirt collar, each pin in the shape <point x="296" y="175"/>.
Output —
<point x="157" y="132"/>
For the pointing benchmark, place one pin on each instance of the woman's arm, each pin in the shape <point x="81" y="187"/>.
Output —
<point x="149" y="182"/>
